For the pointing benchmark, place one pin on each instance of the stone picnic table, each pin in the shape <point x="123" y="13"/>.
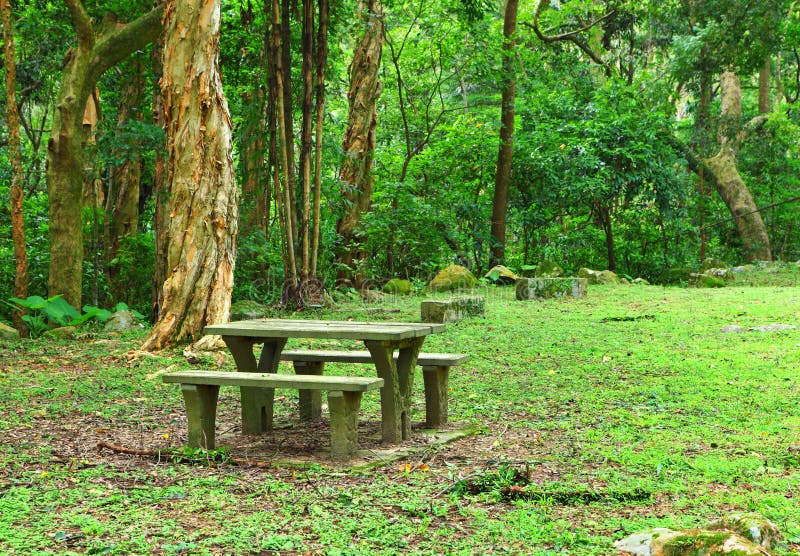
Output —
<point x="382" y="339"/>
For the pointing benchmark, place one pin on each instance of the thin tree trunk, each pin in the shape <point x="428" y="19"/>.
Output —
<point x="95" y="52"/>
<point x="321" y="61"/>
<point x="358" y="145"/>
<point x="203" y="213"/>
<point x="505" y="150"/>
<point x="290" y="260"/>
<point x="17" y="171"/>
<point x="288" y="108"/>
<point x="305" y="138"/>
<point x="122" y="202"/>
<point x="252" y="145"/>
<point x="764" y="106"/>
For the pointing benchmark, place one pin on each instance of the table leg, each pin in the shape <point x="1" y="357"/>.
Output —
<point x="257" y="403"/>
<point x="310" y="401"/>
<point x="398" y="378"/>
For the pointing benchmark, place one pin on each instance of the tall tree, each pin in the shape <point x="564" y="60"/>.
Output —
<point x="321" y="60"/>
<point x="505" y="150"/>
<point x="99" y="47"/>
<point x="358" y="145"/>
<point x="17" y="171"/>
<point x="202" y="195"/>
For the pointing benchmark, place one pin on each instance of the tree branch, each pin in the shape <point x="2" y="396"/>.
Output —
<point x="571" y="36"/>
<point x="82" y="23"/>
<point x="117" y="43"/>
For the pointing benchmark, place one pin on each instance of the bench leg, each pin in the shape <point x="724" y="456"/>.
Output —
<point x="201" y="411"/>
<point x="310" y="401"/>
<point x="344" y="408"/>
<point x="436" y="381"/>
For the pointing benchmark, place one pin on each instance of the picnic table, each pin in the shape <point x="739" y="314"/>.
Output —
<point x="382" y="339"/>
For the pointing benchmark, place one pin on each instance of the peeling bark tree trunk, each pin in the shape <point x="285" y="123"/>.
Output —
<point x="15" y="155"/>
<point x="505" y="151"/>
<point x="97" y="50"/>
<point x="122" y="204"/>
<point x="321" y="61"/>
<point x="729" y="182"/>
<point x="160" y="185"/>
<point x="203" y="214"/>
<point x="358" y="145"/>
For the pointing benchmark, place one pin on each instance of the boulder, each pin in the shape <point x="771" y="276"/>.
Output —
<point x="548" y="269"/>
<point x="706" y="281"/>
<point x="641" y="282"/>
<point x="247" y="309"/>
<point x="750" y="525"/>
<point x="710" y="263"/>
<point x="743" y="269"/>
<point x="397" y="286"/>
<point x="8" y="334"/>
<point x="540" y="288"/>
<point x="596" y="277"/>
<point x="695" y="542"/>
<point x="452" y="278"/>
<point x="501" y="275"/>
<point x="62" y="332"/>
<point x="122" y="321"/>
<point x="452" y="310"/>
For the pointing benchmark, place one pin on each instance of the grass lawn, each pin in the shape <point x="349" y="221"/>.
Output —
<point x="596" y="418"/>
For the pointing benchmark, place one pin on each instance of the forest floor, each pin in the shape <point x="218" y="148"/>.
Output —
<point x="592" y="419"/>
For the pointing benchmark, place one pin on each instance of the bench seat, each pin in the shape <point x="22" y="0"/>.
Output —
<point x="201" y="391"/>
<point x="435" y="373"/>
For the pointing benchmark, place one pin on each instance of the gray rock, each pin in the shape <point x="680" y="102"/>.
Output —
<point x="7" y="333"/>
<point x="752" y="526"/>
<point x="641" y="282"/>
<point x="772" y="327"/>
<point x="733" y="329"/>
<point x="594" y="277"/>
<point x="122" y="321"/>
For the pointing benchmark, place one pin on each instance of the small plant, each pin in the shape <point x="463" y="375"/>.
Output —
<point x="44" y="314"/>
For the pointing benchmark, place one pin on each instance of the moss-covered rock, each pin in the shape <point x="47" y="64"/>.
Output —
<point x="752" y="526"/>
<point x="452" y="278"/>
<point x="397" y="286"/>
<point x="640" y="282"/>
<point x="542" y="288"/>
<point x="452" y="310"/>
<point x="713" y="263"/>
<point x="678" y="275"/>
<point x="594" y="277"/>
<point x="247" y="309"/>
<point x="62" y="332"/>
<point x="706" y="281"/>
<point x="501" y="275"/>
<point x="548" y="269"/>
<point x="694" y="542"/>
<point x="8" y="334"/>
<point x="122" y="321"/>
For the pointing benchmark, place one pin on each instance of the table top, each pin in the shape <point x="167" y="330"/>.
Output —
<point x="350" y="330"/>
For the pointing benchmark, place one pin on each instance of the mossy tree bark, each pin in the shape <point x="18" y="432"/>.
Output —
<point x="98" y="48"/>
<point x="202" y="195"/>
<point x="729" y="183"/>
<point x="358" y="145"/>
<point x="15" y="156"/>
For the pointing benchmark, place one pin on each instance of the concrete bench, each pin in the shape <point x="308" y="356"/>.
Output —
<point x="435" y="373"/>
<point x="201" y="390"/>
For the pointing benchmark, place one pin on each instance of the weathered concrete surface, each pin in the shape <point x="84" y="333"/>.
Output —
<point x="453" y="309"/>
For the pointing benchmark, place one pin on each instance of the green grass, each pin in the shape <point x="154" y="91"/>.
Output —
<point x="598" y="418"/>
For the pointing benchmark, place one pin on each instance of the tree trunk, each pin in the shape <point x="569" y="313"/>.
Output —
<point x="506" y="148"/>
<point x="729" y="182"/>
<point x="740" y="203"/>
<point x="252" y="145"/>
<point x="305" y="136"/>
<point x="202" y="200"/>
<point x="122" y="203"/>
<point x="764" y="106"/>
<point x="15" y="156"/>
<point x="160" y="185"/>
<point x="96" y="51"/>
<point x="358" y="146"/>
<point x="321" y="61"/>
